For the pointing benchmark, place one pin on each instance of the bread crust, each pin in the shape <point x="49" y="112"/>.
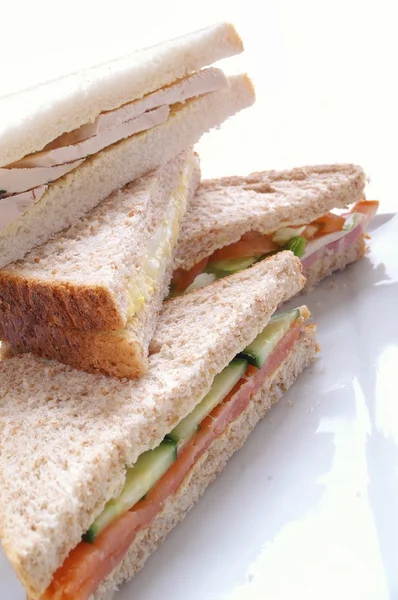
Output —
<point x="57" y="302"/>
<point x="211" y="463"/>
<point x="225" y="209"/>
<point x="119" y="354"/>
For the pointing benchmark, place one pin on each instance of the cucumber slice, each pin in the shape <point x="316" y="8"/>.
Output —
<point x="140" y="478"/>
<point x="232" y="265"/>
<point x="296" y="245"/>
<point x="222" y="385"/>
<point x="284" y="315"/>
<point x="258" y="351"/>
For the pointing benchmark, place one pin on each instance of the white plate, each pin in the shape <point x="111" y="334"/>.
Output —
<point x="308" y="507"/>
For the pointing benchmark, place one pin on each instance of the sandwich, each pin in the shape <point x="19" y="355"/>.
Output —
<point x="317" y="212"/>
<point x="95" y="471"/>
<point x="67" y="144"/>
<point x="90" y="296"/>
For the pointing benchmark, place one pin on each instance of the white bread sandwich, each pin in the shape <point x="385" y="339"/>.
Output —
<point x="67" y="144"/>
<point x="91" y="295"/>
<point x="235" y="221"/>
<point x="114" y="465"/>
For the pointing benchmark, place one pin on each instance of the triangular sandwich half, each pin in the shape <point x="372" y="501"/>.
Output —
<point x="235" y="221"/>
<point x="67" y="144"/>
<point x="90" y="296"/>
<point x="94" y="471"/>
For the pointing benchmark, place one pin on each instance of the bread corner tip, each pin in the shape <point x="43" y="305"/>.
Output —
<point x="250" y="86"/>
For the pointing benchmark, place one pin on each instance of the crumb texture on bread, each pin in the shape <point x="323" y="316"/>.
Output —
<point x="74" y="195"/>
<point x="89" y="427"/>
<point x="31" y="119"/>
<point x="225" y="209"/>
<point x="211" y="463"/>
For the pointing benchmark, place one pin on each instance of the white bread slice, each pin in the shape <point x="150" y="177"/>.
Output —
<point x="211" y="463"/>
<point x="121" y="353"/>
<point x="88" y="427"/>
<point x="74" y="195"/>
<point x="30" y="120"/>
<point x="225" y="209"/>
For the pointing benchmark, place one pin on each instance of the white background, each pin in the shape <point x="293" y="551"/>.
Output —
<point x="308" y="508"/>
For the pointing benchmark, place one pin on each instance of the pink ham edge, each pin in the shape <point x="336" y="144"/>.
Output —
<point x="337" y="246"/>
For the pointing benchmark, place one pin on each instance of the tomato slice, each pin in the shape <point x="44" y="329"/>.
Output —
<point x="250" y="245"/>
<point x="329" y="223"/>
<point x="366" y="207"/>
<point x="88" y="564"/>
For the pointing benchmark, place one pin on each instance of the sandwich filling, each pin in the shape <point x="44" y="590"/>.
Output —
<point x="161" y="244"/>
<point x="23" y="183"/>
<point x="158" y="473"/>
<point x="330" y="233"/>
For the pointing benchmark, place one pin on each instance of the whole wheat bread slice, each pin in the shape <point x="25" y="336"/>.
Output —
<point x="87" y="428"/>
<point x="120" y="353"/>
<point x="225" y="209"/>
<point x="81" y="278"/>
<point x="211" y="463"/>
